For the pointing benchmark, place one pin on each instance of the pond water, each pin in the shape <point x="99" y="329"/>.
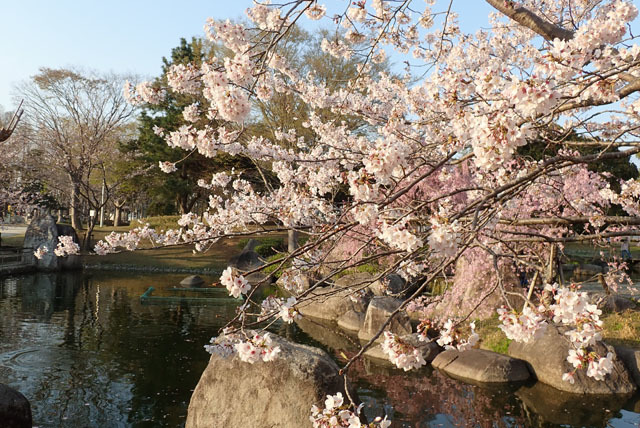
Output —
<point x="85" y="352"/>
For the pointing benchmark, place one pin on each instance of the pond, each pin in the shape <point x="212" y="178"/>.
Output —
<point x="85" y="352"/>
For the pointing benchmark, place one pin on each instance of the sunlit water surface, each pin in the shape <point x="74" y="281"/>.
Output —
<point x="86" y="353"/>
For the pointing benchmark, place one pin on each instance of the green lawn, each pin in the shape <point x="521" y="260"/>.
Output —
<point x="622" y="328"/>
<point x="181" y="256"/>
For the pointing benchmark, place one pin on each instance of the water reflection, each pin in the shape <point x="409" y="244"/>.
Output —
<point x="86" y="352"/>
<point x="428" y="398"/>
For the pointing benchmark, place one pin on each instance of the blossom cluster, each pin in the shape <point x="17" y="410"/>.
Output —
<point x="40" y="252"/>
<point x="143" y="93"/>
<point x="293" y="281"/>
<point x="414" y="167"/>
<point x="450" y="338"/>
<point x="597" y="367"/>
<point x="66" y="247"/>
<point x="285" y="309"/>
<point x="570" y="307"/>
<point x="522" y="327"/>
<point x="444" y="238"/>
<point x="628" y="198"/>
<point x="234" y="282"/>
<point x="338" y="414"/>
<point x="131" y="240"/>
<point x="401" y="353"/>
<point x="257" y="347"/>
<point x="573" y="307"/>
<point x="167" y="167"/>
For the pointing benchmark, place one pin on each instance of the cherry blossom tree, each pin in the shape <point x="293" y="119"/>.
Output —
<point x="439" y="174"/>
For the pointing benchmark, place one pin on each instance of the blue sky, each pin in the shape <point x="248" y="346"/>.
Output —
<point x="123" y="36"/>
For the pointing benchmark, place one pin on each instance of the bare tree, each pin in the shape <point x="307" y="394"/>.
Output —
<point x="77" y="118"/>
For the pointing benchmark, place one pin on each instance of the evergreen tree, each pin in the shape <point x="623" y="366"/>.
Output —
<point x="178" y="191"/>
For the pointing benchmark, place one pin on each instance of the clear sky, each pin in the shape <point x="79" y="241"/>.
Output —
<point x="123" y="36"/>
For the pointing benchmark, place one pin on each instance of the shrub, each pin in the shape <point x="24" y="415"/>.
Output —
<point x="267" y="246"/>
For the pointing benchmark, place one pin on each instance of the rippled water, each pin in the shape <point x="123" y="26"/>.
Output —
<point x="85" y="352"/>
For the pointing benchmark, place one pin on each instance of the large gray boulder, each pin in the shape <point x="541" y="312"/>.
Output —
<point x="351" y="321"/>
<point x="547" y="359"/>
<point x="480" y="365"/>
<point x="355" y="281"/>
<point x="391" y="285"/>
<point x="192" y="281"/>
<point x="248" y="259"/>
<point x="631" y="359"/>
<point x="276" y="394"/>
<point x="42" y="231"/>
<point x="612" y="302"/>
<point x="330" y="303"/>
<point x="15" y="410"/>
<point x="378" y="312"/>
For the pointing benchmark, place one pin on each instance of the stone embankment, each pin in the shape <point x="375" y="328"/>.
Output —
<point x="362" y="319"/>
<point x="14" y="269"/>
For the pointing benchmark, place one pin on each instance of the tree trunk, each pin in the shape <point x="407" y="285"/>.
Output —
<point x="86" y="244"/>
<point x="117" y="215"/>
<point x="182" y="204"/>
<point x="292" y="240"/>
<point x="74" y="206"/>
<point x="185" y="204"/>
<point x="550" y="274"/>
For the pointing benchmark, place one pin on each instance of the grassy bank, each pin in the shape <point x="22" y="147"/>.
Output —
<point x="182" y="256"/>
<point x="622" y="328"/>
